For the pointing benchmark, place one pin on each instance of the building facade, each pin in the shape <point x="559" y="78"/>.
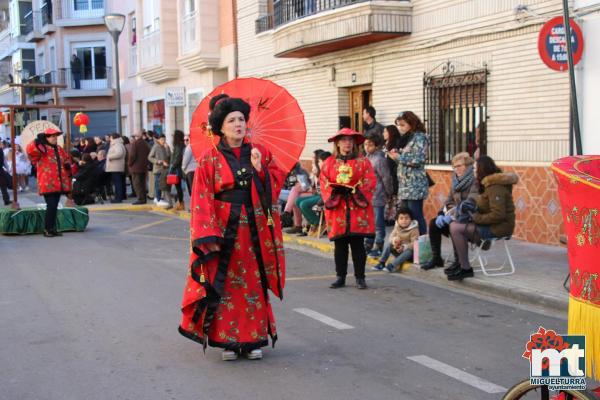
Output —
<point x="59" y="42"/>
<point x="469" y="68"/>
<point x="173" y="47"/>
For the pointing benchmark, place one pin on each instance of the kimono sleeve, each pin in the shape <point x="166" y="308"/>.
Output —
<point x="203" y="224"/>
<point x="276" y="174"/>
<point x="324" y="180"/>
<point x="34" y="153"/>
<point x="369" y="180"/>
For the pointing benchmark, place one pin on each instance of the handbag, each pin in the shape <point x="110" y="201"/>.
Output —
<point x="173" y="179"/>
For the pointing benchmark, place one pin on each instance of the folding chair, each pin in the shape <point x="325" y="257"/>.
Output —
<point x="321" y="220"/>
<point x="495" y="271"/>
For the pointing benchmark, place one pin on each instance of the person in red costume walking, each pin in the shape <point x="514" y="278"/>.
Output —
<point x="347" y="184"/>
<point x="53" y="174"/>
<point x="236" y="240"/>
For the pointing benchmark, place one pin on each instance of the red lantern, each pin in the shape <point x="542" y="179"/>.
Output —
<point x="1" y="118"/>
<point x="81" y="120"/>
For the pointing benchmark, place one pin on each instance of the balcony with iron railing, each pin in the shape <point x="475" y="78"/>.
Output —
<point x="47" y="19"/>
<point x="80" y="12"/>
<point x="306" y="28"/>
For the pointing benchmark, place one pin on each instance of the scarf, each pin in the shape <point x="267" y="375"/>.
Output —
<point x="464" y="182"/>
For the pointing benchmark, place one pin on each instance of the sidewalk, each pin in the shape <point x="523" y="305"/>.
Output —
<point x="538" y="280"/>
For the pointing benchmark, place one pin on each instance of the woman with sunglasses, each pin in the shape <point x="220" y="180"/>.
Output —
<point x="53" y="174"/>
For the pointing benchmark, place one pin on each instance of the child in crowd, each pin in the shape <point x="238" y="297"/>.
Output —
<point x="400" y="244"/>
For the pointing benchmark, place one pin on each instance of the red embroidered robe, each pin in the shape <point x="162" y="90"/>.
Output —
<point x="225" y="300"/>
<point x="52" y="175"/>
<point x="348" y="213"/>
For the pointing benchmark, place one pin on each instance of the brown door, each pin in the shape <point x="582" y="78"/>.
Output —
<point x="360" y="97"/>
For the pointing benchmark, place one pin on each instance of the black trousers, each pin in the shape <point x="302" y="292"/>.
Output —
<point x="52" y="200"/>
<point x="5" y="195"/>
<point x="189" y="179"/>
<point x="435" y="238"/>
<point x="359" y="256"/>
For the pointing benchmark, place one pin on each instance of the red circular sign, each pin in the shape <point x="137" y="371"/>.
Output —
<point x="552" y="44"/>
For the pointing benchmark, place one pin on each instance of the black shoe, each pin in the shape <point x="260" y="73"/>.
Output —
<point x="434" y="263"/>
<point x="56" y="233"/>
<point x="48" y="233"/>
<point x="302" y="234"/>
<point x="339" y="282"/>
<point x="462" y="274"/>
<point x="486" y="244"/>
<point x="137" y="203"/>
<point x="360" y="283"/>
<point x="453" y="268"/>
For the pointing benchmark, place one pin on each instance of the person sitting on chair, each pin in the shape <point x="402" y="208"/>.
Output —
<point x="494" y="218"/>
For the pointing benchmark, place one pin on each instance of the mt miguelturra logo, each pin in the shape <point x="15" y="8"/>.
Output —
<point x="557" y="361"/>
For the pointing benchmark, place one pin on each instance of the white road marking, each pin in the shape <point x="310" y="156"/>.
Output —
<point x="457" y="374"/>
<point x="323" y="318"/>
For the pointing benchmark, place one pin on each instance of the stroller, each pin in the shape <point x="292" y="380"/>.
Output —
<point x="89" y="184"/>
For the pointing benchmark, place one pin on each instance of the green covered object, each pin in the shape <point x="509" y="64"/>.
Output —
<point x="31" y="220"/>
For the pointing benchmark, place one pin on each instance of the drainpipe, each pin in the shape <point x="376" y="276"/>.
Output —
<point x="235" y="39"/>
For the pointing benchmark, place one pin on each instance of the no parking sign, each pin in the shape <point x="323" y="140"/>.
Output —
<point x="552" y="44"/>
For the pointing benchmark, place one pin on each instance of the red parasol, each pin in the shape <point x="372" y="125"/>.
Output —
<point x="276" y="120"/>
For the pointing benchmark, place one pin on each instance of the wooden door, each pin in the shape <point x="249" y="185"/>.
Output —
<point x="360" y="97"/>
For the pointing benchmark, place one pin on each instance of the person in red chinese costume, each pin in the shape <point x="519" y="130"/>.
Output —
<point x="347" y="184"/>
<point x="53" y="174"/>
<point x="236" y="241"/>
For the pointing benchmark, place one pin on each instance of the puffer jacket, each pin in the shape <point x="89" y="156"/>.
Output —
<point x="115" y="158"/>
<point x="385" y="186"/>
<point x="495" y="206"/>
<point x="412" y="178"/>
<point x="406" y="235"/>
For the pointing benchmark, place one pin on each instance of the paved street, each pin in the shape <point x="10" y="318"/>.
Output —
<point x="94" y="315"/>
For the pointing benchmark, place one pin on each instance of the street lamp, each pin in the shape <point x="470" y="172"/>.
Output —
<point x="115" y="23"/>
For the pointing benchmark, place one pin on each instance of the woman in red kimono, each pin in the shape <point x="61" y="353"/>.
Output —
<point x="53" y="174"/>
<point x="347" y="184"/>
<point x="236" y="241"/>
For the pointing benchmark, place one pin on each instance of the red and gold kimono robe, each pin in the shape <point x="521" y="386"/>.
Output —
<point x="347" y="188"/>
<point x="225" y="301"/>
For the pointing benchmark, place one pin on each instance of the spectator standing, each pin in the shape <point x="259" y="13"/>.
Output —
<point x="101" y="144"/>
<point x="347" y="183"/>
<point x="137" y="162"/>
<point x="383" y="192"/>
<point x="413" y="185"/>
<point x="188" y="165"/>
<point x="76" y="68"/>
<point x="394" y="141"/>
<point x="464" y="186"/>
<point x="175" y="163"/>
<point x="5" y="179"/>
<point x="495" y="216"/>
<point x="159" y="156"/>
<point x="23" y="167"/>
<point x="115" y="165"/>
<point x="150" y="139"/>
<point x="371" y="126"/>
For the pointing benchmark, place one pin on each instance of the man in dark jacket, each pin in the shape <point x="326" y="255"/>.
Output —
<point x="5" y="179"/>
<point x="371" y="126"/>
<point x="138" y="162"/>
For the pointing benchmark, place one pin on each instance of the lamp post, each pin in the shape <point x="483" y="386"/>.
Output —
<point x="115" y="23"/>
